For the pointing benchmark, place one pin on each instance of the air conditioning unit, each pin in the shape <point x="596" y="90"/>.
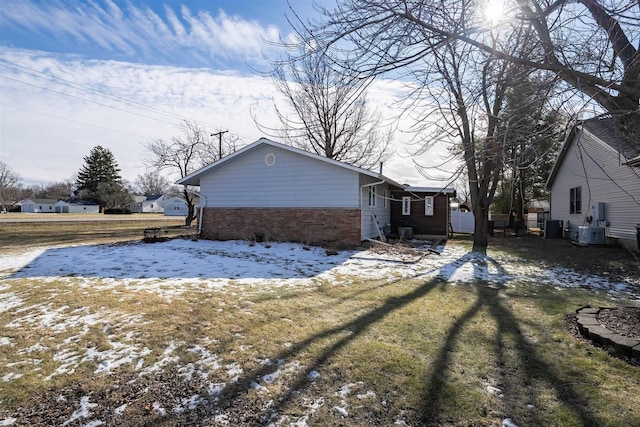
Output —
<point x="591" y="235"/>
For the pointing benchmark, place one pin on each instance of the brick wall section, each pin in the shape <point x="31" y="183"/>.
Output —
<point x="319" y="226"/>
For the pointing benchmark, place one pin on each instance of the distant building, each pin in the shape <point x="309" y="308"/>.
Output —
<point x="148" y="203"/>
<point x="63" y="206"/>
<point x="175" y="206"/>
<point x="37" y="205"/>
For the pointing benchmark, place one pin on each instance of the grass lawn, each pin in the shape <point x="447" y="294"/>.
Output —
<point x="409" y="351"/>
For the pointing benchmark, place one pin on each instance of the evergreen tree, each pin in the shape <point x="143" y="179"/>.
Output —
<point x="99" y="173"/>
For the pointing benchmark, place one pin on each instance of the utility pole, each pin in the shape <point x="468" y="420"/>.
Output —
<point x="219" y="134"/>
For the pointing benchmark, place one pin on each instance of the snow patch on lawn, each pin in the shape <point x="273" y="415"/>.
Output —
<point x="173" y="268"/>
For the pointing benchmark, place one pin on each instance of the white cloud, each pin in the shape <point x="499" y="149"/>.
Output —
<point x="55" y="109"/>
<point x="137" y="32"/>
<point x="49" y="124"/>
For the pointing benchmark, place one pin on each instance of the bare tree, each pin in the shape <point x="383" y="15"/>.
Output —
<point x="531" y="128"/>
<point x="56" y="190"/>
<point x="586" y="43"/>
<point x="330" y="114"/>
<point x="151" y="182"/>
<point x="184" y="154"/>
<point x="9" y="186"/>
<point x="459" y="88"/>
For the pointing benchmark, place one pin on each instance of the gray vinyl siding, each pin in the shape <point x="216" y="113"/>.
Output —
<point x="382" y="213"/>
<point x="599" y="170"/>
<point x="293" y="181"/>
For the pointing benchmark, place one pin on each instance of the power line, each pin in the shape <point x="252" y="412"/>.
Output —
<point x="71" y="120"/>
<point x="76" y="86"/>
<point x="88" y="100"/>
<point x="59" y="80"/>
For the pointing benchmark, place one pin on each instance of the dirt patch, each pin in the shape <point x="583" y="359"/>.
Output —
<point x="623" y="321"/>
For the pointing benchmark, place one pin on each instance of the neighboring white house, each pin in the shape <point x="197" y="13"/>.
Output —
<point x="175" y="206"/>
<point x="37" y="205"/>
<point x="148" y="203"/>
<point x="278" y="192"/>
<point x="595" y="184"/>
<point x="62" y="206"/>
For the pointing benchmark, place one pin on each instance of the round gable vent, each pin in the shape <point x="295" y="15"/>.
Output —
<point x="270" y="159"/>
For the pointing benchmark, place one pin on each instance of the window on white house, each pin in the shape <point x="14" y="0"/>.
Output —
<point x="385" y="197"/>
<point x="372" y="196"/>
<point x="428" y="205"/>
<point x="406" y="205"/>
<point x="575" y="200"/>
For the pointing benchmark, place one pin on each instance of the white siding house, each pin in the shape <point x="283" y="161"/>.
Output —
<point x="175" y="206"/>
<point x="62" y="206"/>
<point x="148" y="203"/>
<point x="594" y="183"/>
<point x="153" y="203"/>
<point x="37" y="205"/>
<point x="274" y="191"/>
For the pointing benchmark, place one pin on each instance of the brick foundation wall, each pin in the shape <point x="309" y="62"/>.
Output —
<point x="319" y="226"/>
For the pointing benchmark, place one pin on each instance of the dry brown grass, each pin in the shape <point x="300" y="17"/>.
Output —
<point x="418" y="351"/>
<point x="47" y="229"/>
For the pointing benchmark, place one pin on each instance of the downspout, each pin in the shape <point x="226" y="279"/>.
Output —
<point x="202" y="206"/>
<point x="373" y="184"/>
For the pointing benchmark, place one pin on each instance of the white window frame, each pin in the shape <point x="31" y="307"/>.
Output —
<point x="372" y="196"/>
<point x="406" y="205"/>
<point x="575" y="200"/>
<point x="385" y="198"/>
<point x="428" y="205"/>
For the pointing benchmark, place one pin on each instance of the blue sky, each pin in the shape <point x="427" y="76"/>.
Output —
<point x="76" y="74"/>
<point x="219" y="34"/>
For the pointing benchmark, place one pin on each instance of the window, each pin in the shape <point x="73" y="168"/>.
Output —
<point x="428" y="205"/>
<point x="372" y="196"/>
<point x="575" y="200"/>
<point x="385" y="197"/>
<point x="406" y="205"/>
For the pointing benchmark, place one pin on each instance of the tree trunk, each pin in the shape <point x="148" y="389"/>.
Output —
<point x="190" y="207"/>
<point x="190" y="215"/>
<point x="480" y="234"/>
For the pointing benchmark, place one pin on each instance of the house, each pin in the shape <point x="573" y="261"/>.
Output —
<point x="37" y="205"/>
<point x="148" y="203"/>
<point x="425" y="210"/>
<point x="595" y="185"/>
<point x="175" y="206"/>
<point x="76" y="206"/>
<point x="272" y="191"/>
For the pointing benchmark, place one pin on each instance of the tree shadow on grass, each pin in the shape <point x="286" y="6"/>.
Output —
<point x="529" y="367"/>
<point x="355" y="328"/>
<point x="234" y="400"/>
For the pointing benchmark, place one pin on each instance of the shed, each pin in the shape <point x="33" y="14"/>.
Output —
<point x="595" y="183"/>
